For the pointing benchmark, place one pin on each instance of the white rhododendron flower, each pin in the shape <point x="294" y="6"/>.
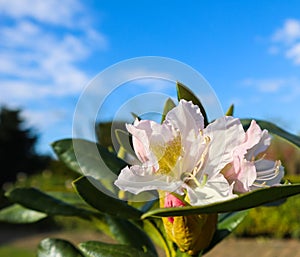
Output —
<point x="180" y="155"/>
<point x="208" y="164"/>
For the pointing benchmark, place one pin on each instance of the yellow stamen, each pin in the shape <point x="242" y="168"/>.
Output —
<point x="168" y="155"/>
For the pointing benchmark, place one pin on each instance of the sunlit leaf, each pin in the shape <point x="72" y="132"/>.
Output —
<point x="99" y="249"/>
<point x="169" y="105"/>
<point x="18" y="214"/>
<point x="246" y="201"/>
<point x="184" y="93"/>
<point x="230" y="110"/>
<point x="95" y="194"/>
<point x="274" y="129"/>
<point x="51" y="247"/>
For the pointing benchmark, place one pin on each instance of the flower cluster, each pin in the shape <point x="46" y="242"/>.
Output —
<point x="205" y="164"/>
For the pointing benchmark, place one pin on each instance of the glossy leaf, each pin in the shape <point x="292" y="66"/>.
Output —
<point x="135" y="116"/>
<point x="246" y="201"/>
<point x="274" y="129"/>
<point x="99" y="249"/>
<point x="51" y="247"/>
<point x="226" y="225"/>
<point x="128" y="233"/>
<point x="96" y="195"/>
<point x="18" y="214"/>
<point x="35" y="199"/>
<point x="184" y="93"/>
<point x="230" y="110"/>
<point x="88" y="163"/>
<point x="123" y="138"/>
<point x="155" y="229"/>
<point x="169" y="105"/>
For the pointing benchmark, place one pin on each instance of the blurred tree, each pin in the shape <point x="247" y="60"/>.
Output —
<point x="17" y="147"/>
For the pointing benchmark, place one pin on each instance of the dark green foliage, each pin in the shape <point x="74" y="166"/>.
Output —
<point x="17" y="147"/>
<point x="98" y="249"/>
<point x="51" y="247"/>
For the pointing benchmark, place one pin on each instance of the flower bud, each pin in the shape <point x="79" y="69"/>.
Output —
<point x="191" y="233"/>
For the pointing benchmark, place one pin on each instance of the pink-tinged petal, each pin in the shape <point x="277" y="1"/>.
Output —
<point x="148" y="134"/>
<point x="261" y="146"/>
<point x="225" y="135"/>
<point x="140" y="140"/>
<point x="252" y="138"/>
<point x="242" y="171"/>
<point x="186" y="117"/>
<point x="245" y="178"/>
<point x="137" y="179"/>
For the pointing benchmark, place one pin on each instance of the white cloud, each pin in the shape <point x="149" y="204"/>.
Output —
<point x="283" y="89"/>
<point x="58" y="12"/>
<point x="286" y="40"/>
<point x="49" y="117"/>
<point x="266" y="85"/>
<point x="42" y="46"/>
<point x="37" y="58"/>
<point x="294" y="53"/>
<point x="288" y="33"/>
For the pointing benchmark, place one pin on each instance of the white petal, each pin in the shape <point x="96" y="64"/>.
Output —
<point x="188" y="120"/>
<point x="225" y="134"/>
<point x="138" y="179"/>
<point x="268" y="174"/>
<point x="215" y="190"/>
<point x="186" y="117"/>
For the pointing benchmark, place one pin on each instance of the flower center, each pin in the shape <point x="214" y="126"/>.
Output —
<point x="167" y="155"/>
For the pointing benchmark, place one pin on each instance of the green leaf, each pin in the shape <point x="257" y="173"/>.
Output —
<point x="245" y="201"/>
<point x="129" y="234"/>
<point x="96" y="195"/>
<point x="230" y="110"/>
<point x="226" y="225"/>
<point x="155" y="229"/>
<point x="51" y="247"/>
<point x="135" y="116"/>
<point x="99" y="249"/>
<point x="86" y="161"/>
<point x="274" y="129"/>
<point x="35" y="199"/>
<point x="123" y="138"/>
<point x="169" y="105"/>
<point x="184" y="93"/>
<point x="18" y="214"/>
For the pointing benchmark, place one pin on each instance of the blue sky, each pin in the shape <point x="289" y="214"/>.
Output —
<point x="249" y="52"/>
